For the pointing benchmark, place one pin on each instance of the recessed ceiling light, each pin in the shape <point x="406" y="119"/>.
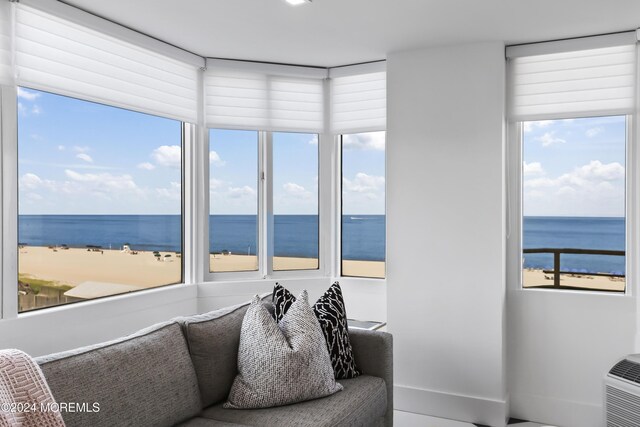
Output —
<point x="297" y="2"/>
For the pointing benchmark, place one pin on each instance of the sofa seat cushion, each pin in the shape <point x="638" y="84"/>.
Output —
<point x="207" y="422"/>
<point x="145" y="379"/>
<point x="362" y="403"/>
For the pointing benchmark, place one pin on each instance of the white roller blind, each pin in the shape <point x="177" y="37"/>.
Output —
<point x="6" y="73"/>
<point x="579" y="83"/>
<point x="358" y="98"/>
<point x="272" y="98"/>
<point x="57" y="55"/>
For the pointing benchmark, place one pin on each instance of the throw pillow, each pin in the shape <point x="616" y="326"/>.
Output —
<point x="281" y="363"/>
<point x="332" y="315"/>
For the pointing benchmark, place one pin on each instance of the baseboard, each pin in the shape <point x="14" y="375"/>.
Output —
<point x="565" y="413"/>
<point x="453" y="406"/>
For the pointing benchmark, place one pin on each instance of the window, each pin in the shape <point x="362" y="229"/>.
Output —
<point x="100" y="199"/>
<point x="290" y="165"/>
<point x="233" y="200"/>
<point x="295" y="201"/>
<point x="573" y="203"/>
<point x="363" y="205"/>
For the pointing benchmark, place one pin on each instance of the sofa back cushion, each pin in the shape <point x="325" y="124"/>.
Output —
<point x="213" y="339"/>
<point x="145" y="379"/>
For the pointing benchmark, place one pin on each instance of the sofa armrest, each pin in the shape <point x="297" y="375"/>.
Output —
<point x="373" y="351"/>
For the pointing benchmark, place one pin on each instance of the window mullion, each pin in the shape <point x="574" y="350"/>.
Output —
<point x="9" y="204"/>
<point x="267" y="204"/>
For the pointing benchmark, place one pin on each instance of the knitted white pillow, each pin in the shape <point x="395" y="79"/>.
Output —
<point x="283" y="363"/>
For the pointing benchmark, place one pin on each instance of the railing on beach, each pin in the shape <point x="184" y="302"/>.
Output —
<point x="556" y="265"/>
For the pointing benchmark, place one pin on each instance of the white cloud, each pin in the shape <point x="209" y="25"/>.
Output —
<point x="364" y="141"/>
<point x="363" y="183"/>
<point x="294" y="190"/>
<point x="30" y="181"/>
<point x="240" y="192"/>
<point x="540" y="183"/>
<point x="596" y="170"/>
<point x="27" y="95"/>
<point x="103" y="182"/>
<point x="594" y="131"/>
<point x="61" y="147"/>
<point x="168" y="155"/>
<point x="549" y="139"/>
<point x="593" y="189"/>
<point x="529" y="126"/>
<point x="84" y="156"/>
<point x="215" y="184"/>
<point x="215" y="159"/>
<point x="36" y="110"/>
<point x="146" y="166"/>
<point x="532" y="169"/>
<point x="79" y="149"/>
<point x="314" y="140"/>
<point x="174" y="192"/>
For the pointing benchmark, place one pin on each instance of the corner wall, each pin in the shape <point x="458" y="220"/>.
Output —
<point x="445" y="228"/>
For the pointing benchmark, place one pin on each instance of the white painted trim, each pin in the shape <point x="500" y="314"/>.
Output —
<point x="9" y="203"/>
<point x="189" y="197"/>
<point x="473" y="409"/>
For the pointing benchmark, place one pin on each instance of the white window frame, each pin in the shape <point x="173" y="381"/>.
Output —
<point x="265" y="215"/>
<point x="514" y="150"/>
<point x="338" y="212"/>
<point x="9" y="115"/>
<point x="9" y="212"/>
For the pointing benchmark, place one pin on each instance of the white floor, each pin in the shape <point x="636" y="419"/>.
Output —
<point x="407" y="419"/>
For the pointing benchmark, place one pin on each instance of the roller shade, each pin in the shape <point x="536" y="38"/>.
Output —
<point x="359" y="98"/>
<point x="265" y="97"/>
<point x="57" y="55"/>
<point x="6" y="73"/>
<point x="578" y="83"/>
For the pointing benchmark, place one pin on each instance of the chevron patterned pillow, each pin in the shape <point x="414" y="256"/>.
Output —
<point x="281" y="363"/>
<point x="332" y="315"/>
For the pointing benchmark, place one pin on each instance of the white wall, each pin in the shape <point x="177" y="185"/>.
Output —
<point x="445" y="225"/>
<point x="66" y="327"/>
<point x="560" y="346"/>
<point x="364" y="299"/>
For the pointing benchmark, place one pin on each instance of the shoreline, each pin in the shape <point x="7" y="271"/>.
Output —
<point x="69" y="267"/>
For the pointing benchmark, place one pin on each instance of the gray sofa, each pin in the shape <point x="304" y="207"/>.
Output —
<point x="180" y="373"/>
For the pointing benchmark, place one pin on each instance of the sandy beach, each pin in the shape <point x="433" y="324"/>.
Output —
<point x="74" y="266"/>
<point x="533" y="278"/>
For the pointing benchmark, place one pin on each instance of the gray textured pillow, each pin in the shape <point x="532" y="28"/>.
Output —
<point x="283" y="363"/>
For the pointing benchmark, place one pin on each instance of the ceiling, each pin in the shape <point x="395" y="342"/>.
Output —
<point x="338" y="32"/>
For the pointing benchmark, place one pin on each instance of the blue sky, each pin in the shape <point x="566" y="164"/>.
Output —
<point x="574" y="167"/>
<point x="233" y="183"/>
<point x="77" y="157"/>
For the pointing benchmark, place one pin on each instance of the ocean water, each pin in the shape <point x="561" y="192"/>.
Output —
<point x="295" y="235"/>
<point x="578" y="233"/>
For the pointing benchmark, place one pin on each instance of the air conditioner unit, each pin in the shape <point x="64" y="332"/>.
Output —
<point x="622" y="393"/>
